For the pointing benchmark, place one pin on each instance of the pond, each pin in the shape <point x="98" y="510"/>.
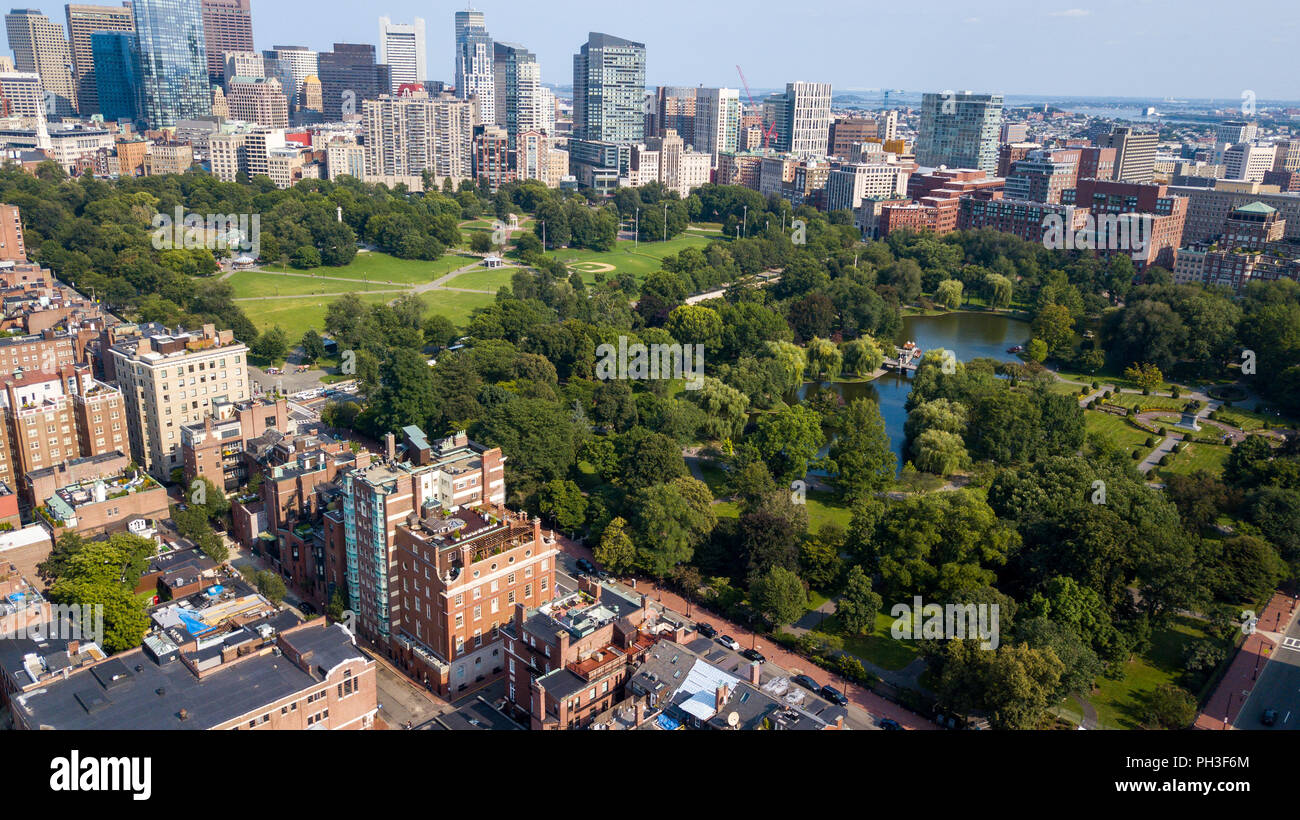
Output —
<point x="968" y="335"/>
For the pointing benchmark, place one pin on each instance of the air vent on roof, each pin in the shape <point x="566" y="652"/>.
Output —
<point x="161" y="691"/>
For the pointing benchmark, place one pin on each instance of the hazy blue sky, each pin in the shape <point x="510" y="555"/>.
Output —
<point x="1180" y="48"/>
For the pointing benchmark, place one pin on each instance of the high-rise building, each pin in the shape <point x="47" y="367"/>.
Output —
<point x="301" y="62"/>
<point x="1135" y="153"/>
<point x="227" y="26"/>
<point x="402" y="49"/>
<point x="474" y="79"/>
<point x="717" y="121"/>
<point x="806" y="126"/>
<point x="609" y="90"/>
<point x="849" y="131"/>
<point x="313" y="97"/>
<point x="673" y="107"/>
<point x="21" y="96"/>
<point x="466" y="19"/>
<point x="1043" y="175"/>
<point x="518" y="80"/>
<point x="117" y="83"/>
<point x="173" y="64"/>
<point x="40" y="46"/>
<point x="83" y="21"/>
<point x="169" y="380"/>
<point x="257" y="99"/>
<point x="409" y="134"/>
<point x="349" y="75"/>
<point x="1235" y="131"/>
<point x="959" y="130"/>
<point x="1248" y="161"/>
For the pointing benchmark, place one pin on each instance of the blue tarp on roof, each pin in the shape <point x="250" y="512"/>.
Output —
<point x="668" y="723"/>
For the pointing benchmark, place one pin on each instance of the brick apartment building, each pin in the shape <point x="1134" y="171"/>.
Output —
<point x="459" y="576"/>
<point x="214" y="448"/>
<point x="270" y="675"/>
<point x="1165" y="213"/>
<point x="568" y="660"/>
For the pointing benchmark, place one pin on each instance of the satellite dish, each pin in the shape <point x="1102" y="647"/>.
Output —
<point x="733" y="719"/>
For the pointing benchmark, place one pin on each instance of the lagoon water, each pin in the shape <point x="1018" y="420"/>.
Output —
<point x="968" y="335"/>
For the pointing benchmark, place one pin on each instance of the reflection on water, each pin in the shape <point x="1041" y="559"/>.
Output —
<point x="968" y="335"/>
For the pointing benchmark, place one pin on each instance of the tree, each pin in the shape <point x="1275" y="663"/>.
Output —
<point x="1014" y="685"/>
<point x="861" y="455"/>
<point x="824" y="359"/>
<point x="1037" y="350"/>
<point x="1055" y="326"/>
<point x="695" y="325"/>
<point x="669" y="522"/>
<point x="271" y="345"/>
<point x="125" y="620"/>
<point x="616" y="552"/>
<point x="779" y="596"/>
<point x="819" y="557"/>
<point x="480" y="241"/>
<point x="940" y="452"/>
<point x="313" y="347"/>
<point x="999" y="290"/>
<point x="1170" y="707"/>
<point x="646" y="458"/>
<point x="563" y="502"/>
<point x="862" y="356"/>
<point x="271" y="586"/>
<point x="949" y="293"/>
<point x="788" y="439"/>
<point x="1147" y="375"/>
<point x="440" y="331"/>
<point x="856" y="609"/>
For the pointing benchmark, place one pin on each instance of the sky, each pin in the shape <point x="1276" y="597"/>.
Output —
<point x="1116" y="48"/>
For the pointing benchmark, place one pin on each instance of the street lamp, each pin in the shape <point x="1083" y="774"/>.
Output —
<point x="746" y="221"/>
<point x="636" y="237"/>
<point x="665" y="221"/>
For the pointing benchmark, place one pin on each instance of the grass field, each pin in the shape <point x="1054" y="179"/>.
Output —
<point x="1148" y="402"/>
<point x="1119" y="703"/>
<point x="455" y="305"/>
<point x="383" y="268"/>
<point x="1116" y="429"/>
<point x="255" y="284"/>
<point x="638" y="259"/>
<point x="880" y="647"/>
<point x="1194" y="457"/>
<point x="295" y="316"/>
<point x="487" y="280"/>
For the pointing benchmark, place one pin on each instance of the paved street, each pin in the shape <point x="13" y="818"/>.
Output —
<point x="1278" y="686"/>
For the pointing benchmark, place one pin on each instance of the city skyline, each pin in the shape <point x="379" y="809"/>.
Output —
<point x="1008" y="42"/>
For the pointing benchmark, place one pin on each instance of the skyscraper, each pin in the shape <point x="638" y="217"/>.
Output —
<point x="116" y="61"/>
<point x="349" y="75"/>
<point x="1135" y="153"/>
<point x="402" y="49"/>
<point x="227" y="26"/>
<point x="717" y="121"/>
<point x="518" y="98"/>
<point x="174" y="64"/>
<point x="609" y="90"/>
<point x="806" y="131"/>
<point x="474" y="65"/>
<point x="39" y="46"/>
<point x="465" y="19"/>
<point x="301" y="62"/>
<point x="83" y="21"/>
<point x="960" y="130"/>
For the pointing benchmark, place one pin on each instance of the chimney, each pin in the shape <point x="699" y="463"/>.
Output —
<point x="74" y="647"/>
<point x="390" y="446"/>
<point x="755" y="673"/>
<point x="640" y="712"/>
<point x="720" y="697"/>
<point x="839" y="721"/>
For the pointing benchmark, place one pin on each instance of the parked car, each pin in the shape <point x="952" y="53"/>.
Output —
<point x="730" y="642"/>
<point x="807" y="683"/>
<point x="1269" y="717"/>
<point x="586" y="566"/>
<point x="834" y="695"/>
<point x="306" y="608"/>
<point x="706" y="630"/>
<point x="753" y="655"/>
<point x="888" y="724"/>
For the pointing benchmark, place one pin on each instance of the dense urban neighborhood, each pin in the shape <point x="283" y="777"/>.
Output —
<point x="336" y="396"/>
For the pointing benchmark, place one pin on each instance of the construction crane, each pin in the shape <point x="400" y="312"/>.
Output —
<point x="769" y="133"/>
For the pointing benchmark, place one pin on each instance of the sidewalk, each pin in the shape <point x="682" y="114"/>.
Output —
<point x="1225" y="704"/>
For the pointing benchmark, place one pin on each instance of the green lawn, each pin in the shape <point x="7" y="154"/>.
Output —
<point x="255" y="284"/>
<point x="454" y="305"/>
<point x="297" y="315"/>
<point x="1148" y="402"/>
<point x="484" y="279"/>
<point x="1119" y="703"/>
<point x="1116" y="429"/>
<point x="880" y="647"/>
<point x="383" y="268"/>
<point x="638" y="259"/>
<point x="1249" y="420"/>
<point x="1194" y="457"/>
